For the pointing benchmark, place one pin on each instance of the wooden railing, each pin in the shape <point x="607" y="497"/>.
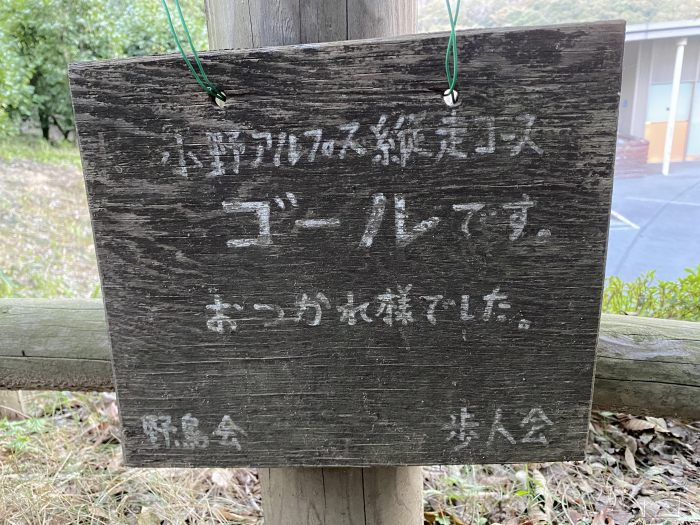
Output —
<point x="643" y="366"/>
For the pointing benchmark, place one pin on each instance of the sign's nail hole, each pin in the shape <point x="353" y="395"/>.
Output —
<point x="451" y="99"/>
<point x="219" y="102"/>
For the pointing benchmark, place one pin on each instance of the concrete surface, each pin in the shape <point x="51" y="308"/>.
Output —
<point x="655" y="224"/>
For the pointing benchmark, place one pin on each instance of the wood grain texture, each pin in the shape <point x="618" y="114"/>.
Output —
<point x="275" y="23"/>
<point x="342" y="496"/>
<point x="368" y="18"/>
<point x="323" y="21"/>
<point x="643" y="366"/>
<point x="648" y="366"/>
<point x="229" y="24"/>
<point x="245" y="23"/>
<point x="58" y="344"/>
<point x="178" y="209"/>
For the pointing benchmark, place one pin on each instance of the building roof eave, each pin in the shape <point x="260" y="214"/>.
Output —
<point x="656" y="30"/>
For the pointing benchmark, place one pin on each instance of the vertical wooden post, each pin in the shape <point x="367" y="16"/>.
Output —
<point x="319" y="496"/>
<point x="255" y="23"/>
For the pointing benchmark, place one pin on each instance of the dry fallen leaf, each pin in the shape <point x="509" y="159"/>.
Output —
<point x="637" y="425"/>
<point x="584" y="486"/>
<point x="646" y="438"/>
<point x="603" y="519"/>
<point x="221" y="477"/>
<point x="648" y="507"/>
<point x="573" y="516"/>
<point x="540" y="508"/>
<point x="147" y="517"/>
<point x="659" y="424"/>
<point x="679" y="431"/>
<point x="621" y="517"/>
<point x="631" y="444"/>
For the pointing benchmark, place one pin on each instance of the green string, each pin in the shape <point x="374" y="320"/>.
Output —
<point x="451" y="63"/>
<point x="201" y="77"/>
<point x="452" y="48"/>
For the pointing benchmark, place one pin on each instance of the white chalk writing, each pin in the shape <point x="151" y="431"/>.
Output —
<point x="161" y="432"/>
<point x="393" y="307"/>
<point x="538" y="421"/>
<point x="396" y="139"/>
<point x="404" y="233"/>
<point x="463" y="428"/>
<point x="219" y="322"/>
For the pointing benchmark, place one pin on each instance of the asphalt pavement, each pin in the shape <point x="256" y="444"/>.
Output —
<point x="655" y="224"/>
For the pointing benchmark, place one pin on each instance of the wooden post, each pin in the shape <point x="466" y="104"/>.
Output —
<point x="316" y="496"/>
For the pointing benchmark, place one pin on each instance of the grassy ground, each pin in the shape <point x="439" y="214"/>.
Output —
<point x="63" y="463"/>
<point x="38" y="150"/>
<point x="45" y="235"/>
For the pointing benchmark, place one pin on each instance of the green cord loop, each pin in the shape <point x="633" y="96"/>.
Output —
<point x="451" y="63"/>
<point x="451" y="51"/>
<point x="201" y="77"/>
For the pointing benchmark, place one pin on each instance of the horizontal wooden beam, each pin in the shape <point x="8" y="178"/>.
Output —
<point x="648" y="366"/>
<point x="54" y="345"/>
<point x="644" y="366"/>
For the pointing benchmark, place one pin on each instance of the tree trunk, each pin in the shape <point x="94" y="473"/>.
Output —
<point x="45" y="124"/>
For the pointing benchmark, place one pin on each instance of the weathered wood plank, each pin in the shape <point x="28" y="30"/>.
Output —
<point x="229" y="24"/>
<point x="323" y="21"/>
<point x="245" y="24"/>
<point x="338" y="270"/>
<point x="648" y="366"/>
<point x="628" y="375"/>
<point x="366" y="19"/>
<point x="42" y="328"/>
<point x="58" y="344"/>
<point x="648" y="397"/>
<point x="350" y="496"/>
<point x="56" y="373"/>
<point x="343" y="498"/>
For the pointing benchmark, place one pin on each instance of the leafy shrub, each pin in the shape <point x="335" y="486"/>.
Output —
<point x="39" y="38"/>
<point x="647" y="297"/>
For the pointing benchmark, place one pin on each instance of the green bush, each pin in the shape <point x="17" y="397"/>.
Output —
<point x="39" y="38"/>
<point x="647" y="297"/>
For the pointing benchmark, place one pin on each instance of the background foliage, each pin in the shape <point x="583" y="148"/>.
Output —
<point x="432" y="14"/>
<point x="650" y="298"/>
<point x="39" y="38"/>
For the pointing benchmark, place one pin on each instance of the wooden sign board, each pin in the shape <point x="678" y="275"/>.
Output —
<point x="339" y="269"/>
